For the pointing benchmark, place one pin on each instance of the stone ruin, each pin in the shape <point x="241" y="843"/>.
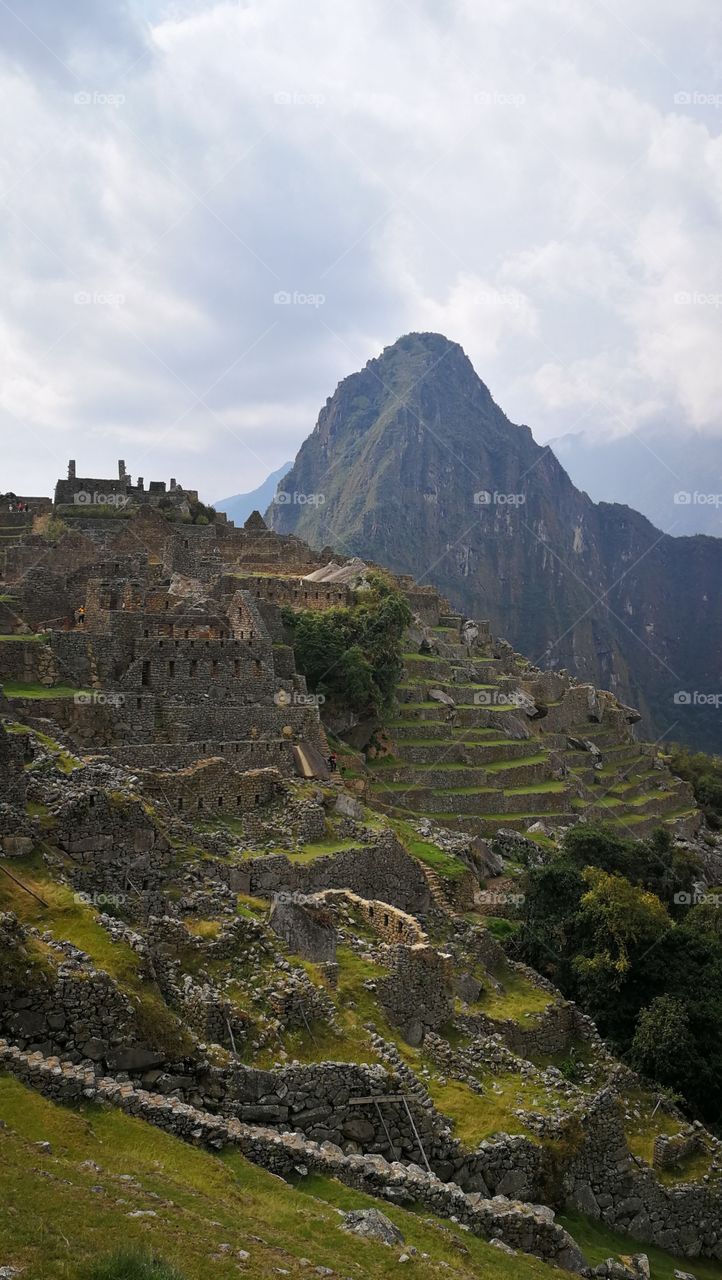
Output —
<point x="169" y="716"/>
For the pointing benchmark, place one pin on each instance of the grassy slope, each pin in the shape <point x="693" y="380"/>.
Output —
<point x="57" y="1215"/>
<point x="68" y="919"/>
<point x="598" y="1243"/>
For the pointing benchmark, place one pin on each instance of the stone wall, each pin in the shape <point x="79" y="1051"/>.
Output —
<point x="382" y="869"/>
<point x="547" y="1034"/>
<point x="246" y="753"/>
<point x="115" y="845"/>
<point x="13" y="780"/>
<point x="390" y="923"/>
<point x="605" y="1181"/>
<point x="417" y="994"/>
<point x="306" y="928"/>
<point x="671" y="1149"/>
<point x="295" y="592"/>
<point x="529" y="1228"/>
<point x="65" y="1007"/>
<point x="213" y="786"/>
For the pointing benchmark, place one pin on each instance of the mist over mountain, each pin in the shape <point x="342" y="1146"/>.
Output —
<point x="675" y="482"/>
<point x="413" y="464"/>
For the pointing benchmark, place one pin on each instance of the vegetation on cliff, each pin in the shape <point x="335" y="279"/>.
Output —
<point x="615" y="923"/>
<point x="353" y="656"/>
<point x="705" y="774"/>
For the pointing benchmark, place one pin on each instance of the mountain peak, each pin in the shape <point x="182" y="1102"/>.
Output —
<point x="414" y="465"/>
<point x="433" y="343"/>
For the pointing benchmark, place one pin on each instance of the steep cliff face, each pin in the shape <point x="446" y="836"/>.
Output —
<point x="413" y="464"/>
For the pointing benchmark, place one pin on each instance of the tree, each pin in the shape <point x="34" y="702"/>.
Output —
<point x="620" y="923"/>
<point x="548" y="938"/>
<point x="590" y="844"/>
<point x="352" y="655"/>
<point x="663" y="1047"/>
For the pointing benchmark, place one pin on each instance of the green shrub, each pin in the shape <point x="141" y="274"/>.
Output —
<point x="352" y="655"/>
<point x="132" y="1264"/>
<point x="705" y="774"/>
<point x="611" y="922"/>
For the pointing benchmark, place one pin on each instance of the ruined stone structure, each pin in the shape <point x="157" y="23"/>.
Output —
<point x="119" y="490"/>
<point x="149" y="743"/>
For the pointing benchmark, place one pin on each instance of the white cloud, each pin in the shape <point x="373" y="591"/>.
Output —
<point x="522" y="179"/>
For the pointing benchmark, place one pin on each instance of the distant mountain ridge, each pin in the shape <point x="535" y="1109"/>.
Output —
<point x="413" y="464"/>
<point x="676" y="481"/>
<point x="239" y="507"/>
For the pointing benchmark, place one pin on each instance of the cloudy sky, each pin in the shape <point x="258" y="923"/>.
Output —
<point x="212" y="212"/>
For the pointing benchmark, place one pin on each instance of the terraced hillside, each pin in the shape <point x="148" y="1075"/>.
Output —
<point x="210" y="938"/>
<point x="481" y="741"/>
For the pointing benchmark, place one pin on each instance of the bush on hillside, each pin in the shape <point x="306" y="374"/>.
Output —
<point x="705" y="774"/>
<point x="600" y="919"/>
<point x="352" y="655"/>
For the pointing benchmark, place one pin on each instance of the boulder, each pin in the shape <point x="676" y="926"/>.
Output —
<point x="414" y="1033"/>
<point x="439" y="695"/>
<point x="347" y="807"/>
<point x="468" y="988"/>
<point x="359" y="1129"/>
<point x="372" y="1224"/>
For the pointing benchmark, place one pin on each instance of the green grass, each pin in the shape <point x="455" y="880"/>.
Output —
<point x="496" y="766"/>
<point x="60" y="1218"/>
<point x="309" y="852"/>
<point x="518" y="998"/>
<point x="34" y="637"/>
<point x="476" y="1117"/>
<point x="599" y="1242"/>
<point x="64" y="761"/>
<point x="26" y="689"/>
<point x="69" y="919"/>
<point x="444" y="864"/>
<point x="464" y="791"/>
<point x="355" y="1005"/>
<point x="535" y="788"/>
<point x="133" y="1264"/>
<point x="641" y="1131"/>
